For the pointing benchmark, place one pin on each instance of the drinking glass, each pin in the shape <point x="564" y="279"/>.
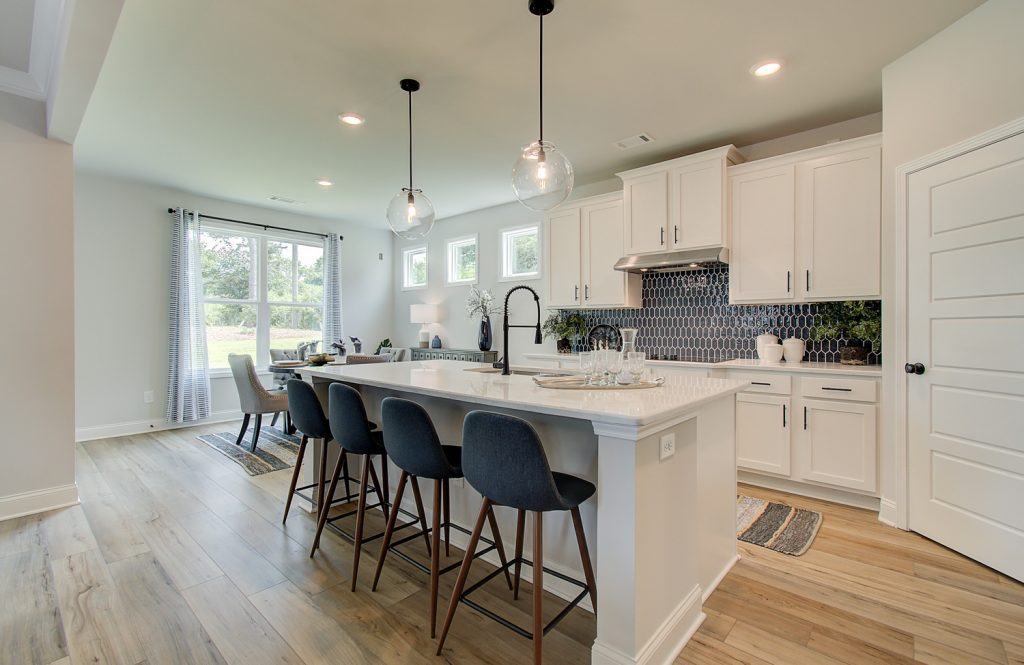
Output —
<point x="587" y="365"/>
<point x="600" y="367"/>
<point x="614" y="366"/>
<point x="635" y="363"/>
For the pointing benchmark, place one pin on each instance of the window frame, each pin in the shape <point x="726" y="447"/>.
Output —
<point x="450" y="257"/>
<point x="262" y="300"/>
<point x="513" y="231"/>
<point x="406" y="256"/>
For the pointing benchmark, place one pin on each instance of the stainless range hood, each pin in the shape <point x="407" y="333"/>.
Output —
<point x="684" y="259"/>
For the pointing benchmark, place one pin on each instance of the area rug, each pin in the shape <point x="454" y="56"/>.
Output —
<point x="776" y="526"/>
<point x="274" y="451"/>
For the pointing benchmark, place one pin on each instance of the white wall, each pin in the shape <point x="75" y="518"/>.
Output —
<point x="122" y="259"/>
<point x="966" y="79"/>
<point x="36" y="283"/>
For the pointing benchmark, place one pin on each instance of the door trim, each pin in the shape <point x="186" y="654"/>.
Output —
<point x="897" y="510"/>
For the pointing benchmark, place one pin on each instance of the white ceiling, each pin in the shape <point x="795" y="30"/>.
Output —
<point x="238" y="99"/>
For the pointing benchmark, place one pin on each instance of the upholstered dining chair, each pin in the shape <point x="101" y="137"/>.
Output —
<point x="253" y="398"/>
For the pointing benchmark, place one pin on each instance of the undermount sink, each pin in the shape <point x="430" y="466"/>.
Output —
<point x="521" y="371"/>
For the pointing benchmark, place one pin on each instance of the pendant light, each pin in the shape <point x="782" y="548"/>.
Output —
<point x="542" y="177"/>
<point x="410" y="214"/>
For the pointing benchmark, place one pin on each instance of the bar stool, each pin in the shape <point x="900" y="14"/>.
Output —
<point x="354" y="432"/>
<point x="308" y="416"/>
<point x="413" y="445"/>
<point x="504" y="460"/>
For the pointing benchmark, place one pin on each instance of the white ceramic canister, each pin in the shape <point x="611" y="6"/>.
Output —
<point x="766" y="338"/>
<point x="793" y="350"/>
<point x="772" y="354"/>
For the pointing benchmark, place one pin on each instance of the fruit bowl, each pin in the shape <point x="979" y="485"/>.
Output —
<point x="319" y="359"/>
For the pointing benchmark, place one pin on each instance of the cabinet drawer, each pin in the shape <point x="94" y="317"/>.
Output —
<point x="763" y="382"/>
<point x="857" y="390"/>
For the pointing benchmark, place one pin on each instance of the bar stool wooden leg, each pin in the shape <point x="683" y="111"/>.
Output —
<point x="323" y="477"/>
<point x="419" y="509"/>
<point x="496" y="536"/>
<point x="467" y="561"/>
<point x="345" y="472"/>
<point x="402" y="480"/>
<point x="538" y="588"/>
<point x="447" y="518"/>
<point x="520" y="528"/>
<point x="588" y="570"/>
<point x="377" y="486"/>
<point x="322" y="521"/>
<point x="295" y="477"/>
<point x="435" y="555"/>
<point x="360" y="518"/>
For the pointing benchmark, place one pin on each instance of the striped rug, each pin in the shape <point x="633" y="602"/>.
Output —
<point x="274" y="451"/>
<point x="776" y="526"/>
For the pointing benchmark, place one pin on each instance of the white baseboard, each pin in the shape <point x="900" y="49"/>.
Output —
<point x="141" y="426"/>
<point x="887" y="513"/>
<point x="706" y="593"/>
<point x="814" y="491"/>
<point x="38" y="501"/>
<point x="666" y="643"/>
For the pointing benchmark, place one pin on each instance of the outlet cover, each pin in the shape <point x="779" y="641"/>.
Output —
<point x="147" y="396"/>
<point x="668" y="446"/>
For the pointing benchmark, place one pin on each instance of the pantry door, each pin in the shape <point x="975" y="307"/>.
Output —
<point x="965" y="332"/>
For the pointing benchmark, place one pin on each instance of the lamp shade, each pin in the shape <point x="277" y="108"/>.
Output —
<point x="422" y="313"/>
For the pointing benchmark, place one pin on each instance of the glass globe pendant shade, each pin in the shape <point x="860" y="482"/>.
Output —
<point x="411" y="214"/>
<point x="542" y="177"/>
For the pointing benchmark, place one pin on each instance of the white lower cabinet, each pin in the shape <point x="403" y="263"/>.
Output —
<point x="762" y="433"/>
<point x="839" y="443"/>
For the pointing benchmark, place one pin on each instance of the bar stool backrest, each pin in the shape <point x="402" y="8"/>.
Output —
<point x="411" y="440"/>
<point x="348" y="420"/>
<point x="307" y="414"/>
<point x="503" y="459"/>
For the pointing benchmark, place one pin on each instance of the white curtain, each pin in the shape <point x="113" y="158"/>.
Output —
<point x="188" y="379"/>
<point x="332" y="290"/>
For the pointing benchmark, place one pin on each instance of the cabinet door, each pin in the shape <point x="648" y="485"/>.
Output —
<point x="761" y="263"/>
<point x="838" y="444"/>
<point x="696" y="215"/>
<point x="762" y="433"/>
<point x="562" y="258"/>
<point x="839" y="225"/>
<point x="602" y="246"/>
<point x="645" y="213"/>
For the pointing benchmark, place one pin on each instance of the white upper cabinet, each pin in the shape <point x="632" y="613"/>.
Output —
<point x="806" y="226"/>
<point x="584" y="240"/>
<point x="678" y="204"/>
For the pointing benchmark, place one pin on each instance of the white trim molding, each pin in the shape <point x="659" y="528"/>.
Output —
<point x="128" y="428"/>
<point x="666" y="643"/>
<point x="50" y="24"/>
<point x="894" y="376"/>
<point x="38" y="501"/>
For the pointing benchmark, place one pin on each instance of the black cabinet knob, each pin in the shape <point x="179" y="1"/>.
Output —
<point x="914" y="368"/>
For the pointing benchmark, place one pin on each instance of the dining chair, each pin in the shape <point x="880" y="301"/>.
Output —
<point x="253" y="398"/>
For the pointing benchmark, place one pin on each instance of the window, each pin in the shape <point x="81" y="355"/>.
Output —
<point x="414" y="268"/>
<point x="259" y="293"/>
<point x="462" y="260"/>
<point x="520" y="252"/>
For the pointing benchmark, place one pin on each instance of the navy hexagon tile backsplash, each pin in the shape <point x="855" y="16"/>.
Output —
<point x="687" y="316"/>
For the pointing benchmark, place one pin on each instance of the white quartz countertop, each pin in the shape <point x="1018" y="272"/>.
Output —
<point x="449" y="379"/>
<point x="740" y="363"/>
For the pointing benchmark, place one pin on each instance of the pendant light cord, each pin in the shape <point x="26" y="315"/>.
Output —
<point x="541" y="139"/>
<point x="410" y="140"/>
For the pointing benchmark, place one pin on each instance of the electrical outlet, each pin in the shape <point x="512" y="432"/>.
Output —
<point x="147" y="396"/>
<point x="668" y="446"/>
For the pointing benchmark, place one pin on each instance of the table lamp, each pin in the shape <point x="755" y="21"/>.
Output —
<point x="425" y="315"/>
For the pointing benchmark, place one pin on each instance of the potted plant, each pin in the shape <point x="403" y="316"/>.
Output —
<point x="481" y="303"/>
<point x="565" y="328"/>
<point x="858" y="323"/>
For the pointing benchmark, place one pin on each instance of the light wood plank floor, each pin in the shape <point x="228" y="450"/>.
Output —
<point x="176" y="556"/>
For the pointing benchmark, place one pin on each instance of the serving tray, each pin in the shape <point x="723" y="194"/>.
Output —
<point x="577" y="383"/>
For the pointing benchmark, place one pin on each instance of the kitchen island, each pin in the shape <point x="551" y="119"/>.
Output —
<point x="661" y="528"/>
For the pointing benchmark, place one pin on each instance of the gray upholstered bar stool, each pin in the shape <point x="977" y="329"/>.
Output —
<point x="504" y="460"/>
<point x="413" y="445"/>
<point x="355" y="433"/>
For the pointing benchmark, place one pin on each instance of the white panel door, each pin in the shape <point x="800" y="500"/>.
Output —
<point x="762" y="433"/>
<point x="838" y="444"/>
<point x="603" y="286"/>
<point x="761" y="266"/>
<point x="839" y="225"/>
<point x="696" y="215"/>
<point x="645" y="211"/>
<point x="965" y="420"/>
<point x="562" y="258"/>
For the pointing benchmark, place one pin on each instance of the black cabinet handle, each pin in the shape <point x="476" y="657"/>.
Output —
<point x="783" y="416"/>
<point x="838" y="390"/>
<point x="676" y="234"/>
<point x="805" y="417"/>
<point x="663" y="235"/>
<point x="914" y="368"/>
<point x="759" y="383"/>
<point x="808" y="288"/>
<point x="576" y="292"/>
<point x="788" y="276"/>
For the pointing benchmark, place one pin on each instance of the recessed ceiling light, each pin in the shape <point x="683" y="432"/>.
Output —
<point x="324" y="182"/>
<point x="351" y="118"/>
<point x="766" y="68"/>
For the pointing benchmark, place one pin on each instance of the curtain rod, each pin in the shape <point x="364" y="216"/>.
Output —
<point x="260" y="226"/>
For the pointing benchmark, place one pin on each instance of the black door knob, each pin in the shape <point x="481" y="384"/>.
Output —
<point x="914" y="368"/>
